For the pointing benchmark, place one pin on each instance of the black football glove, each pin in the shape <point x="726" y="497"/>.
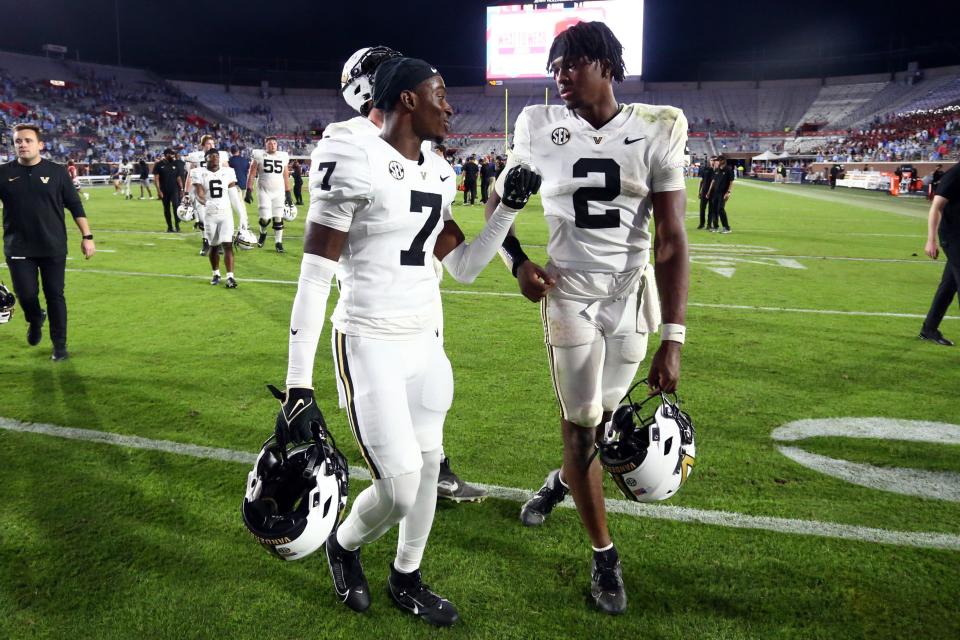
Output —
<point x="520" y="184"/>
<point x="248" y="196"/>
<point x="287" y="198"/>
<point x="198" y="225"/>
<point x="299" y="419"/>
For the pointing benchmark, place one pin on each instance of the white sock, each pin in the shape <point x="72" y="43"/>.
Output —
<point x="606" y="548"/>
<point x="229" y="274"/>
<point x="216" y="272"/>
<point x="278" y="236"/>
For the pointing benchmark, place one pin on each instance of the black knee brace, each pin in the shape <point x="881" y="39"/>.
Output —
<point x="278" y="224"/>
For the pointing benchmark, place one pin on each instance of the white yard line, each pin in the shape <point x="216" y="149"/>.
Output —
<point x="838" y="198"/>
<point x="921" y="539"/>
<point x="508" y="294"/>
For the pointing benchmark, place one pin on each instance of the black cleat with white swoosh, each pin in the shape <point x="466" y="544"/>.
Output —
<point x="410" y="594"/>
<point x="349" y="583"/>
<point x="606" y="582"/>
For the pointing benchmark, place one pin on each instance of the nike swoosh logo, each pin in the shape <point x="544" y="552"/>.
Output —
<point x="443" y="178"/>
<point x="12" y="179"/>
<point x="629" y="141"/>
<point x="294" y="332"/>
<point x="298" y="409"/>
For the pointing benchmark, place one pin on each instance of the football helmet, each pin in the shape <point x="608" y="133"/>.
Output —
<point x="295" y="495"/>
<point x="7" y="303"/>
<point x="289" y="212"/>
<point x="648" y="447"/>
<point x="356" y="81"/>
<point x="244" y="239"/>
<point x="186" y="211"/>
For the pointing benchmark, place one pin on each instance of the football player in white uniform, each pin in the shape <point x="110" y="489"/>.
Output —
<point x="356" y="86"/>
<point x="217" y="193"/>
<point x="271" y="168"/>
<point x="196" y="162"/>
<point x="126" y="175"/>
<point x="379" y="209"/>
<point x="606" y="167"/>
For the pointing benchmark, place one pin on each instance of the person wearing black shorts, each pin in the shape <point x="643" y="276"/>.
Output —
<point x="34" y="193"/>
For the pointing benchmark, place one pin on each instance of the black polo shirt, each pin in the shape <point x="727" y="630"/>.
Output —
<point x="168" y="173"/>
<point x="706" y="175"/>
<point x="722" y="179"/>
<point x="33" y="201"/>
<point x="470" y="171"/>
<point x="950" y="189"/>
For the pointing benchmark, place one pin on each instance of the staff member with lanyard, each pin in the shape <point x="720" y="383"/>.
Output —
<point x="34" y="193"/>
<point x="943" y="220"/>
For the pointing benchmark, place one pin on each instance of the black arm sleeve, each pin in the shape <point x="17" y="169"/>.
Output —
<point x="71" y="199"/>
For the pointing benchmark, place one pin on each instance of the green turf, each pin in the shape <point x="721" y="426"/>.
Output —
<point x="103" y="542"/>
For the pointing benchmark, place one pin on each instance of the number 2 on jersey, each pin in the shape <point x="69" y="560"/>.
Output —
<point x="608" y="192"/>
<point x="415" y="255"/>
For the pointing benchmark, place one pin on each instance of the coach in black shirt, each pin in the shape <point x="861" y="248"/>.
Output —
<point x="706" y="176"/>
<point x="167" y="177"/>
<point x="721" y="184"/>
<point x="470" y="173"/>
<point x="34" y="192"/>
<point x="944" y="221"/>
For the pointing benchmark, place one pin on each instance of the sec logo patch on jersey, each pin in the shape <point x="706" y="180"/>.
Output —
<point x="560" y="135"/>
<point x="396" y="170"/>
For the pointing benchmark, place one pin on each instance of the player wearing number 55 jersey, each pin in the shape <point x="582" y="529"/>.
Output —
<point x="379" y="210"/>
<point x="606" y="168"/>
<point x="271" y="169"/>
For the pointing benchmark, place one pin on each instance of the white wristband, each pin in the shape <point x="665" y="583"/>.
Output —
<point x="673" y="332"/>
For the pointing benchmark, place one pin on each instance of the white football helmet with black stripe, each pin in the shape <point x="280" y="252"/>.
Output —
<point x="244" y="239"/>
<point x="186" y="210"/>
<point x="8" y="303"/>
<point x="289" y="212"/>
<point x="356" y="81"/>
<point x="295" y="495"/>
<point x="648" y="447"/>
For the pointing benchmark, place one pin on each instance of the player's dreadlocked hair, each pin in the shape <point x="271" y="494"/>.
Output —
<point x="593" y="41"/>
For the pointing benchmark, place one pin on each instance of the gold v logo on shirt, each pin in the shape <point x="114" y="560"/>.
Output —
<point x="423" y="174"/>
<point x="44" y="179"/>
<point x="598" y="139"/>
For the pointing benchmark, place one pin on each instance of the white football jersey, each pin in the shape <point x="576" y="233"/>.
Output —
<point x="270" y="169"/>
<point x="359" y="125"/>
<point x="215" y="184"/>
<point x="392" y="209"/>
<point x="597" y="182"/>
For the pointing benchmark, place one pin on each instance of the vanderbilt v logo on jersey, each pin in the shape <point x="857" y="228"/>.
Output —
<point x="560" y="135"/>
<point x="598" y="139"/>
<point x="44" y="179"/>
<point x="396" y="170"/>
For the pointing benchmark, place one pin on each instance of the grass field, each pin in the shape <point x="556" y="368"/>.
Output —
<point x="809" y="310"/>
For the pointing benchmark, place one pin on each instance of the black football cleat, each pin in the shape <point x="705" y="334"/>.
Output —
<point x="35" y="330"/>
<point x="349" y="583"/>
<point x="410" y="594"/>
<point x="59" y="354"/>
<point x="936" y="337"/>
<point x="451" y="487"/>
<point x="231" y="283"/>
<point x="279" y="248"/>
<point x="215" y="280"/>
<point x="205" y="249"/>
<point x="606" y="582"/>
<point x="261" y="239"/>
<point x="535" y="511"/>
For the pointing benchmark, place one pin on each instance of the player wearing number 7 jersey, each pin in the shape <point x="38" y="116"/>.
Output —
<point x="379" y="210"/>
<point x="606" y="168"/>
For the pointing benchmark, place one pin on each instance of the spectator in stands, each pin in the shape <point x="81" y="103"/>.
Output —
<point x="168" y="177"/>
<point x="296" y="172"/>
<point x="144" y="171"/>
<point x="470" y="173"/>
<point x="488" y="175"/>
<point x="944" y="221"/>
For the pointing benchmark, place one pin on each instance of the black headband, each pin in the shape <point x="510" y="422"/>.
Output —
<point x="396" y="75"/>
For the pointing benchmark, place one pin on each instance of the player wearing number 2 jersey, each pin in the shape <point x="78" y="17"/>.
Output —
<point x="379" y="209"/>
<point x="606" y="168"/>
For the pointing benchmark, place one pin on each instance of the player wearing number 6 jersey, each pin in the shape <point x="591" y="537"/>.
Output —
<point x="606" y="168"/>
<point x="218" y="195"/>
<point x="379" y="210"/>
<point x="271" y="169"/>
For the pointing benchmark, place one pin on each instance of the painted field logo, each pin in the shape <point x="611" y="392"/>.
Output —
<point x="940" y="485"/>
<point x="724" y="258"/>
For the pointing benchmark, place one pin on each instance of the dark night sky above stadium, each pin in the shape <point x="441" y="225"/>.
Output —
<point x="305" y="43"/>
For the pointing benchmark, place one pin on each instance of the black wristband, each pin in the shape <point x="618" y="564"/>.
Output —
<point x="515" y="252"/>
<point x="88" y="237"/>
